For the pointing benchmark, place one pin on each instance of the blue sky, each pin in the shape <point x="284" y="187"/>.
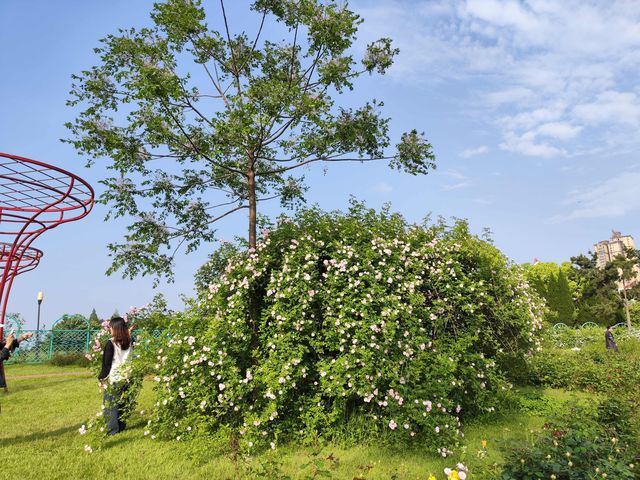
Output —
<point x="532" y="107"/>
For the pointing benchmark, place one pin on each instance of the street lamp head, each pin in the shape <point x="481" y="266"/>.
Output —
<point x="40" y="297"/>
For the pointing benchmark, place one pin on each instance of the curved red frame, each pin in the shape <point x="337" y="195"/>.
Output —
<point x="25" y="261"/>
<point x="34" y="197"/>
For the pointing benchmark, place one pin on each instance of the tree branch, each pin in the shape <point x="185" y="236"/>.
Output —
<point x="219" y="217"/>
<point x="179" y="125"/>
<point x="293" y="54"/>
<point x="233" y="57"/>
<point x="320" y="159"/>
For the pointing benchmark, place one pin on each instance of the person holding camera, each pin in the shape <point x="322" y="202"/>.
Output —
<point x="10" y="344"/>
<point x="6" y="349"/>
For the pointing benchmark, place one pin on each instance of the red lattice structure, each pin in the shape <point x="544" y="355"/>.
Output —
<point x="20" y="260"/>
<point x="34" y="197"/>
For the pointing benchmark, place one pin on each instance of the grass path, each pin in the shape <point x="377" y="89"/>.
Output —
<point x="46" y="405"/>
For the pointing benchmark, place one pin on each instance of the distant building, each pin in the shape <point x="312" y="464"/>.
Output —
<point x="607" y="250"/>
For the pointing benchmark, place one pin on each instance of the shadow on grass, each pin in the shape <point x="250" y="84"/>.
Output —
<point x="29" y="384"/>
<point x="36" y="436"/>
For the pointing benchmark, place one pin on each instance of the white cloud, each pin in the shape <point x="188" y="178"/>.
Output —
<point x="382" y="187"/>
<point x="559" y="130"/>
<point x="527" y="145"/>
<point x="454" y="174"/>
<point x="614" y="197"/>
<point x="456" y="186"/>
<point x="510" y="95"/>
<point x="501" y="13"/>
<point x="562" y="71"/>
<point x="472" y="152"/>
<point x="483" y="201"/>
<point x="610" y="107"/>
<point x="462" y="180"/>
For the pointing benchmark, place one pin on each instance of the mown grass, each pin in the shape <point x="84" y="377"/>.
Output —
<point x="39" y="440"/>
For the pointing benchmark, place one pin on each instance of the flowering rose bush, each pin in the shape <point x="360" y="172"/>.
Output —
<point x="342" y="316"/>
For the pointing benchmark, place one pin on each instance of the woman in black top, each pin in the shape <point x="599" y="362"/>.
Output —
<point x="609" y="342"/>
<point x="113" y="375"/>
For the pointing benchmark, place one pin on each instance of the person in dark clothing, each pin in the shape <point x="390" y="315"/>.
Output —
<point x="609" y="342"/>
<point x="6" y="349"/>
<point x="10" y="344"/>
<point x="113" y="374"/>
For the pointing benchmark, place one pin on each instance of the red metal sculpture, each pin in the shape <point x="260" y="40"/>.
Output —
<point x="34" y="197"/>
<point x="16" y="261"/>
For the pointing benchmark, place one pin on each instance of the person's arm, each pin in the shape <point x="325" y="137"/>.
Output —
<point x="17" y="341"/>
<point x="107" y="359"/>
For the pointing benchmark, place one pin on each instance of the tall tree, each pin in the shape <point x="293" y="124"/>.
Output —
<point x="94" y="320"/>
<point x="551" y="283"/>
<point x="205" y="111"/>
<point x="597" y="300"/>
<point x="74" y="321"/>
<point x="625" y="269"/>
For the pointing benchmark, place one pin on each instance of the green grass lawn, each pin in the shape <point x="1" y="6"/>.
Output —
<point x="41" y="416"/>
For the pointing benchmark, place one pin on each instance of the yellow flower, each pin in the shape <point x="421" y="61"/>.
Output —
<point x="484" y="443"/>
<point x="431" y="477"/>
<point x="454" y="475"/>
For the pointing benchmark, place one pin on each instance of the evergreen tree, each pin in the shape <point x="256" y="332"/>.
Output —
<point x="552" y="284"/>
<point x="94" y="320"/>
<point x="598" y="300"/>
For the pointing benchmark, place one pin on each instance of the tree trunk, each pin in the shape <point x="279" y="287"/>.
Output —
<point x="251" y="183"/>
<point x="626" y="304"/>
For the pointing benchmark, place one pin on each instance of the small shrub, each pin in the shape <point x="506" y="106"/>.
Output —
<point x="67" y="359"/>
<point x="535" y="403"/>
<point x="586" y="443"/>
<point x="590" y="368"/>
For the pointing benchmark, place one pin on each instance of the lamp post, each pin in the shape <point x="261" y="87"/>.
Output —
<point x="40" y="297"/>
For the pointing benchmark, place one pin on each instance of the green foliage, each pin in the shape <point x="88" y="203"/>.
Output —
<point x="533" y="402"/>
<point x="75" y="321"/>
<point x="586" y="443"/>
<point x="347" y="316"/>
<point x="94" y="319"/>
<point x="267" y="107"/>
<point x="634" y="312"/>
<point x="598" y="300"/>
<point x="588" y="365"/>
<point x="551" y="282"/>
<point x="153" y="316"/>
<point x="13" y="321"/>
<point x="211" y="271"/>
<point x="66" y="359"/>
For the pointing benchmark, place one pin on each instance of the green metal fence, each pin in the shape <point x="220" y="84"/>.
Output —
<point x="46" y="344"/>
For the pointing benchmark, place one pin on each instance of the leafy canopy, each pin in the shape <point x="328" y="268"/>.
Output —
<point x="200" y="122"/>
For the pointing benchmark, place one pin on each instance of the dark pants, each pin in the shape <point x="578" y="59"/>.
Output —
<point x="3" y="380"/>
<point x="114" y="406"/>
